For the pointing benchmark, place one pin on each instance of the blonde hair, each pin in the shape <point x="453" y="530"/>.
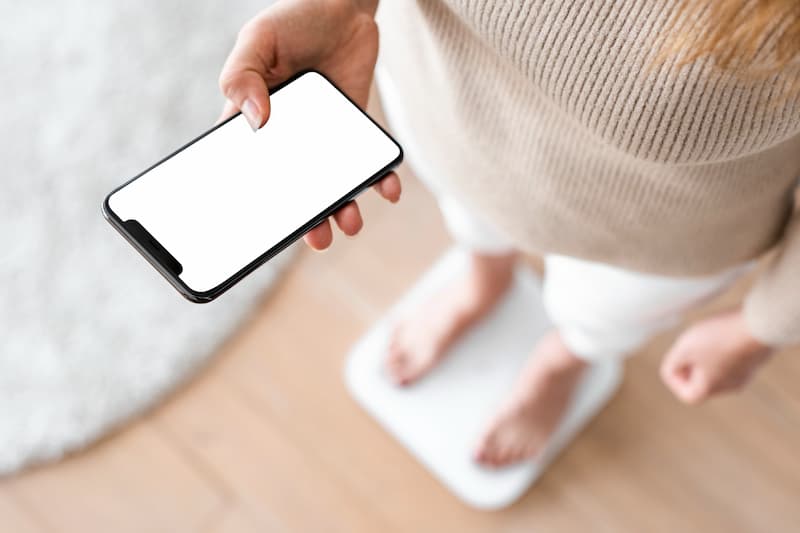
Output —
<point x="754" y="37"/>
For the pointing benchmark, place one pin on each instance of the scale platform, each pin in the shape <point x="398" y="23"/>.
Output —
<point x="440" y="418"/>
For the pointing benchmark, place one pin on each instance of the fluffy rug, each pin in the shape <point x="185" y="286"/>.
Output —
<point x="93" y="92"/>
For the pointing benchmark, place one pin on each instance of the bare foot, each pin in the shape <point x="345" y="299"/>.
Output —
<point x="537" y="404"/>
<point x="421" y="339"/>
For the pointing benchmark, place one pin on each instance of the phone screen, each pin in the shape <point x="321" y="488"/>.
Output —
<point x="233" y="195"/>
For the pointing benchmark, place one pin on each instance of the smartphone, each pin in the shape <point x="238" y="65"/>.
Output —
<point x="225" y="203"/>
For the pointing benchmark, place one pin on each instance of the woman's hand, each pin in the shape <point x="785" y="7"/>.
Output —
<point x="336" y="37"/>
<point x="716" y="355"/>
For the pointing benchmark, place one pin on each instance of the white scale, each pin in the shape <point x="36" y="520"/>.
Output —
<point x="440" y="418"/>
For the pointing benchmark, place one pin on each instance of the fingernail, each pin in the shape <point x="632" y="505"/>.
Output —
<point x="250" y="112"/>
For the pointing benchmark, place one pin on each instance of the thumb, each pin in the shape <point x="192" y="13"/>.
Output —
<point x="685" y="379"/>
<point x="242" y="79"/>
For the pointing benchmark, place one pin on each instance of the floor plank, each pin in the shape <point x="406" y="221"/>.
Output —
<point x="134" y="481"/>
<point x="280" y="484"/>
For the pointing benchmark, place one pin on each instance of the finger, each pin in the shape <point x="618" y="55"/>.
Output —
<point x="389" y="187"/>
<point x="242" y="80"/>
<point x="349" y="220"/>
<point x="683" y="377"/>
<point x="675" y="366"/>
<point x="320" y="237"/>
<point x="676" y="379"/>
<point x="690" y="385"/>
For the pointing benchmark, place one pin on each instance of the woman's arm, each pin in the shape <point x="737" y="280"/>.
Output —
<point x="772" y="308"/>
<point x="723" y="352"/>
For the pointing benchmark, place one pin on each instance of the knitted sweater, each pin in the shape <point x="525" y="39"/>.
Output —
<point x="557" y="123"/>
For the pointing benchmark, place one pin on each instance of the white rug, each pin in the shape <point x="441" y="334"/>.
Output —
<point x="93" y="92"/>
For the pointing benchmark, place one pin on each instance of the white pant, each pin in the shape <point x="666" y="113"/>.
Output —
<point x="599" y="310"/>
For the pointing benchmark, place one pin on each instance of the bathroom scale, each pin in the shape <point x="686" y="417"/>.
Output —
<point x="440" y="418"/>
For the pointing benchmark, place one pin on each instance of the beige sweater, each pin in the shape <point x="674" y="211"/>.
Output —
<point x="553" y="120"/>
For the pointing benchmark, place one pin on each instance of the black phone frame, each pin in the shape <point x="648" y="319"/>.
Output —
<point x="212" y="294"/>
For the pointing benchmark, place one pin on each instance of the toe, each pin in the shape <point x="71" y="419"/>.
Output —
<point x="399" y="361"/>
<point x="511" y="456"/>
<point x="489" y="451"/>
<point x="482" y="455"/>
<point x="396" y="362"/>
<point x="404" y="373"/>
<point x="489" y="457"/>
<point x="418" y="368"/>
<point x="505" y="456"/>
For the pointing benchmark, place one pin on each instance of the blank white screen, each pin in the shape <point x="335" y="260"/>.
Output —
<point x="234" y="194"/>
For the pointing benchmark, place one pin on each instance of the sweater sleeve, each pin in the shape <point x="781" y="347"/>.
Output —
<point x="772" y="308"/>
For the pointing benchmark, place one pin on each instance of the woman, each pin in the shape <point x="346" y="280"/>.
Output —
<point x="649" y="150"/>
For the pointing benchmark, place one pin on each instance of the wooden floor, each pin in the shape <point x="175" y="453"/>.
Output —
<point x="267" y="439"/>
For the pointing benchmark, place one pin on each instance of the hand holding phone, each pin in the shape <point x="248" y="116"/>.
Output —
<point x="337" y="38"/>
<point x="216" y="209"/>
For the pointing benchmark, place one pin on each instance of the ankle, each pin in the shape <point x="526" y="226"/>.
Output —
<point x="491" y="274"/>
<point x="554" y="360"/>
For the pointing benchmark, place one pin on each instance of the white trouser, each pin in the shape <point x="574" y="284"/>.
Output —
<point x="599" y="310"/>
